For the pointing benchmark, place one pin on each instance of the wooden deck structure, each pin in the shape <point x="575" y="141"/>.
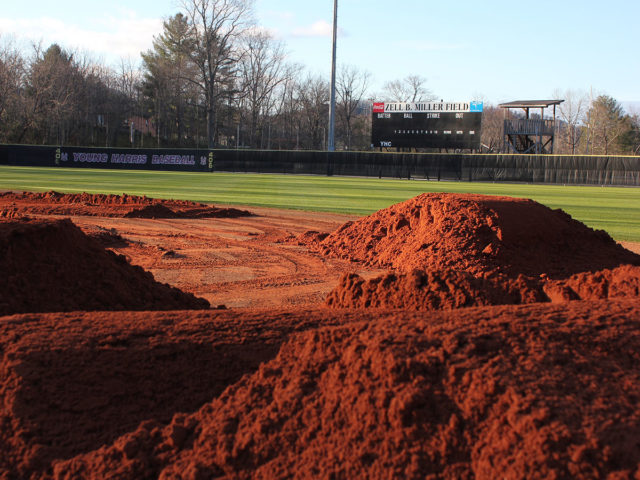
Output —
<point x="529" y="135"/>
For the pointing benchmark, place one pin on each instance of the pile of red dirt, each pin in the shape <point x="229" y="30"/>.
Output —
<point x="445" y="290"/>
<point x="451" y="289"/>
<point x="621" y="282"/>
<point x="536" y="391"/>
<point x="152" y="211"/>
<point x="73" y="382"/>
<point x="107" y="237"/>
<point x="55" y="203"/>
<point x="160" y="210"/>
<point x="479" y="234"/>
<point x="52" y="266"/>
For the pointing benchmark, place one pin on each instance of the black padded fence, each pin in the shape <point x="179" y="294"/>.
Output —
<point x="116" y="158"/>
<point x="558" y="169"/>
<point x="366" y="164"/>
<point x="563" y="169"/>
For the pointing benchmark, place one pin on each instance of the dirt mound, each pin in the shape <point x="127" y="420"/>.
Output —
<point x="621" y="282"/>
<point x="162" y="211"/>
<point x="85" y="198"/>
<point x="107" y="205"/>
<point x="451" y="289"/>
<point x="477" y="234"/>
<point x="537" y="391"/>
<point x="152" y="211"/>
<point x="53" y="266"/>
<point x="89" y="198"/>
<point x="107" y="237"/>
<point x="446" y="290"/>
<point x="103" y="373"/>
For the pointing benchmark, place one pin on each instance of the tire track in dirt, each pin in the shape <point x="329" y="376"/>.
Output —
<point x="240" y="263"/>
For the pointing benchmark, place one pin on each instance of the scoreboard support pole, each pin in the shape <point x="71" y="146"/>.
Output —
<point x="332" y="106"/>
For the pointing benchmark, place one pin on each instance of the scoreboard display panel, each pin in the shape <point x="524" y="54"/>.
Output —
<point x="427" y="125"/>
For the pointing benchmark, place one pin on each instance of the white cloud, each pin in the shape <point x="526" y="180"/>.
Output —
<point x="317" y="29"/>
<point x="112" y="37"/>
<point x="321" y="28"/>
<point x="285" y="16"/>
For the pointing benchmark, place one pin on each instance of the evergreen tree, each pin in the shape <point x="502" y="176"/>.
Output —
<point x="52" y="88"/>
<point x="607" y="124"/>
<point x="169" y="84"/>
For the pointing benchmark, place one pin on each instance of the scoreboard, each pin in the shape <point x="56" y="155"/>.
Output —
<point x="427" y="125"/>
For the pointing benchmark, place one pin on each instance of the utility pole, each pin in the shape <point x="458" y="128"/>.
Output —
<point x="332" y="105"/>
<point x="589" y="133"/>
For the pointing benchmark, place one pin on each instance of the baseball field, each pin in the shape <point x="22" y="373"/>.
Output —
<point x="613" y="209"/>
<point x="239" y="326"/>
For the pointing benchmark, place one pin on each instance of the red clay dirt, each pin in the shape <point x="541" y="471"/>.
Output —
<point x="445" y="290"/>
<point x="536" y="391"/>
<point x="72" y="382"/>
<point x="52" y="266"/>
<point x="55" y="203"/>
<point x="545" y="390"/>
<point x="621" y="282"/>
<point x="237" y="262"/>
<point x="451" y="289"/>
<point x="479" y="234"/>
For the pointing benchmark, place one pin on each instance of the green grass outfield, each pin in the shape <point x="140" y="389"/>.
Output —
<point x="614" y="209"/>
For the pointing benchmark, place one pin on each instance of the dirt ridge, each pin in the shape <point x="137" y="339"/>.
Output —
<point x="412" y="396"/>
<point x="479" y="234"/>
<point x="52" y="266"/>
<point x="109" y="205"/>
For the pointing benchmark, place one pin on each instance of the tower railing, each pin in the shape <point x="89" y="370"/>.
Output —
<point x="527" y="126"/>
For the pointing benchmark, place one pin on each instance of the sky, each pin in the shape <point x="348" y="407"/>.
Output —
<point x="495" y="50"/>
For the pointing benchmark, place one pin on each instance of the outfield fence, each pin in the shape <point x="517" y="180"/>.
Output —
<point x="557" y="169"/>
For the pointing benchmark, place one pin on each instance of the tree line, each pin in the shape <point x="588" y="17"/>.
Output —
<point x="213" y="78"/>
<point x="585" y="125"/>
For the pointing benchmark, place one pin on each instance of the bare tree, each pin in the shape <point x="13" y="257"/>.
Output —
<point x="263" y="70"/>
<point x="217" y="26"/>
<point x="351" y="87"/>
<point x="128" y="84"/>
<point x="93" y="121"/>
<point x="286" y="109"/>
<point x="61" y="97"/>
<point x="492" y="128"/>
<point x="12" y="68"/>
<point x="572" y="113"/>
<point x="313" y="94"/>
<point x="409" y="89"/>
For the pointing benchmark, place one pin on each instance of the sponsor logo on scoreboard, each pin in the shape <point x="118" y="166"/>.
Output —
<point x="475" y="107"/>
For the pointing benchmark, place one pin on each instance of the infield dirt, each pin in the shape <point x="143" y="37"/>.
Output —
<point x="284" y="385"/>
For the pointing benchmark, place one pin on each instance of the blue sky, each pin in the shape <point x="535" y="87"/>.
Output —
<point x="497" y="49"/>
